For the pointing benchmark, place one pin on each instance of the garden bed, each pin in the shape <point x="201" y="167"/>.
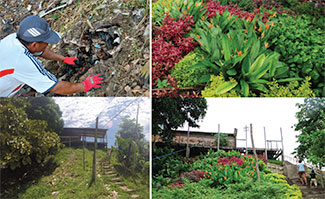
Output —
<point x="238" y="48"/>
<point x="217" y="175"/>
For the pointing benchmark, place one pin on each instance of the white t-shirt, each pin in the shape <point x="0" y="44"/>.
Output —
<point x="18" y="67"/>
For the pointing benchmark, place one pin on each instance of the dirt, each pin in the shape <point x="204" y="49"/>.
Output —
<point x="109" y="37"/>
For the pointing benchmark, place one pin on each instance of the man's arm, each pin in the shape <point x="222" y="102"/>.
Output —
<point x="67" y="88"/>
<point x="51" y="55"/>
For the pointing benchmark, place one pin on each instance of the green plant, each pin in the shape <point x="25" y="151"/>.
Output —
<point x="215" y="85"/>
<point x="300" y="45"/>
<point x="238" y="49"/>
<point x="190" y="77"/>
<point x="293" y="89"/>
<point x="278" y="162"/>
<point x="224" y="142"/>
<point x="177" y="8"/>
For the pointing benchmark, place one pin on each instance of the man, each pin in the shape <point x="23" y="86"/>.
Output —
<point x="302" y="172"/>
<point x="18" y="65"/>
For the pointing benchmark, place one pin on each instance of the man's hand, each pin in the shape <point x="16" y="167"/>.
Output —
<point x="92" y="81"/>
<point x="70" y="60"/>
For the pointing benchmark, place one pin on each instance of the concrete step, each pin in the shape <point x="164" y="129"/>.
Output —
<point x="116" y="179"/>
<point x="314" y="196"/>
<point x="125" y="188"/>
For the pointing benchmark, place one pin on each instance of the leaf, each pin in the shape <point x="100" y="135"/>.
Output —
<point x="232" y="72"/>
<point x="225" y="87"/>
<point x="257" y="64"/>
<point x="290" y="79"/>
<point x="244" y="88"/>
<point x="204" y="78"/>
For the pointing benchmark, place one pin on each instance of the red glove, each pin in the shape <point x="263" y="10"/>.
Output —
<point x="92" y="81"/>
<point x="70" y="60"/>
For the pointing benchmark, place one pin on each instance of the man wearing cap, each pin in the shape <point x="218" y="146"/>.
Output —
<point x="19" y="66"/>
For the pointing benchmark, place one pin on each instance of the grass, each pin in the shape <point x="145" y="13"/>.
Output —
<point x="277" y="162"/>
<point x="69" y="180"/>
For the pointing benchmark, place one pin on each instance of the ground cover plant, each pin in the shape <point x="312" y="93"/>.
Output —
<point x="235" y="48"/>
<point x="218" y="175"/>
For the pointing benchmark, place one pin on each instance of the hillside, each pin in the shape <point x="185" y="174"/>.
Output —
<point x="69" y="180"/>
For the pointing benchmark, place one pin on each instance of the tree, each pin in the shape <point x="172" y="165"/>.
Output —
<point x="45" y="108"/>
<point x="171" y="113"/>
<point x="132" y="148"/>
<point x="311" y="123"/>
<point x="24" y="141"/>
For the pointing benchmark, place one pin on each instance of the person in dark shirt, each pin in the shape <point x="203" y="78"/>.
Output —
<point x="313" y="178"/>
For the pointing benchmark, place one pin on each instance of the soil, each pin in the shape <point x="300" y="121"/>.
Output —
<point x="109" y="37"/>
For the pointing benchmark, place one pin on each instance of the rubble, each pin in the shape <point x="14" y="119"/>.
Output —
<point x="109" y="37"/>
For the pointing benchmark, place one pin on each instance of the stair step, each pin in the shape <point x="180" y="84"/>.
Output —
<point x="125" y="188"/>
<point x="116" y="179"/>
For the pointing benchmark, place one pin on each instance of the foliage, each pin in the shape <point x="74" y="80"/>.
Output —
<point x="278" y="162"/>
<point x="310" y="7"/>
<point x="224" y="142"/>
<point x="311" y="123"/>
<point x="293" y="89"/>
<point x="238" y="49"/>
<point x="45" y="108"/>
<point x="168" y="47"/>
<point x="301" y="47"/>
<point x="194" y="175"/>
<point x="272" y="186"/>
<point x="191" y="77"/>
<point x="168" y="167"/>
<point x="69" y="180"/>
<point x="216" y="83"/>
<point x="188" y="191"/>
<point x="193" y="8"/>
<point x="233" y="168"/>
<point x="214" y="8"/>
<point x="179" y="111"/>
<point x="24" y="141"/>
<point x="132" y="148"/>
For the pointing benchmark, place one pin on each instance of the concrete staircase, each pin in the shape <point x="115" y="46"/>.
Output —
<point x="290" y="171"/>
<point x="117" y="181"/>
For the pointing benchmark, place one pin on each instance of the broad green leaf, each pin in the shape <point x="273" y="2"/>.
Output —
<point x="244" y="88"/>
<point x="225" y="87"/>
<point x="257" y="64"/>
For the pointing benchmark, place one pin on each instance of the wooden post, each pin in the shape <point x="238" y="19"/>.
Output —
<point x="246" y="129"/>
<point x="94" y="158"/>
<point x="255" y="155"/>
<point x="265" y="143"/>
<point x="218" y="136"/>
<point x="188" y="142"/>
<point x="235" y="142"/>
<point x="83" y="152"/>
<point x="282" y="155"/>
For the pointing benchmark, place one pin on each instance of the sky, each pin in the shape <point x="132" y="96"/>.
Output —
<point x="271" y="113"/>
<point x="82" y="112"/>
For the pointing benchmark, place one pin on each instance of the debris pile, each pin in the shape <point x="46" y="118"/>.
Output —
<point x="110" y="38"/>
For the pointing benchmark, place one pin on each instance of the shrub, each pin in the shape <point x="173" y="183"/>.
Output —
<point x="190" y="77"/>
<point x="169" y="46"/>
<point x="301" y="47"/>
<point x="293" y="89"/>
<point x="216" y="83"/>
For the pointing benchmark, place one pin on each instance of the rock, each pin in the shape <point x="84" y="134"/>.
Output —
<point x="54" y="193"/>
<point x="147" y="31"/>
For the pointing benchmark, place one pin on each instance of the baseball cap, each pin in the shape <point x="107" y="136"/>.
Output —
<point x="36" y="29"/>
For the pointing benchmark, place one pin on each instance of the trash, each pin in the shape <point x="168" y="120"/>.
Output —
<point x="139" y="14"/>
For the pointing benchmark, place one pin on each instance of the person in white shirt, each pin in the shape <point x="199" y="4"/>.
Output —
<point x="19" y="66"/>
